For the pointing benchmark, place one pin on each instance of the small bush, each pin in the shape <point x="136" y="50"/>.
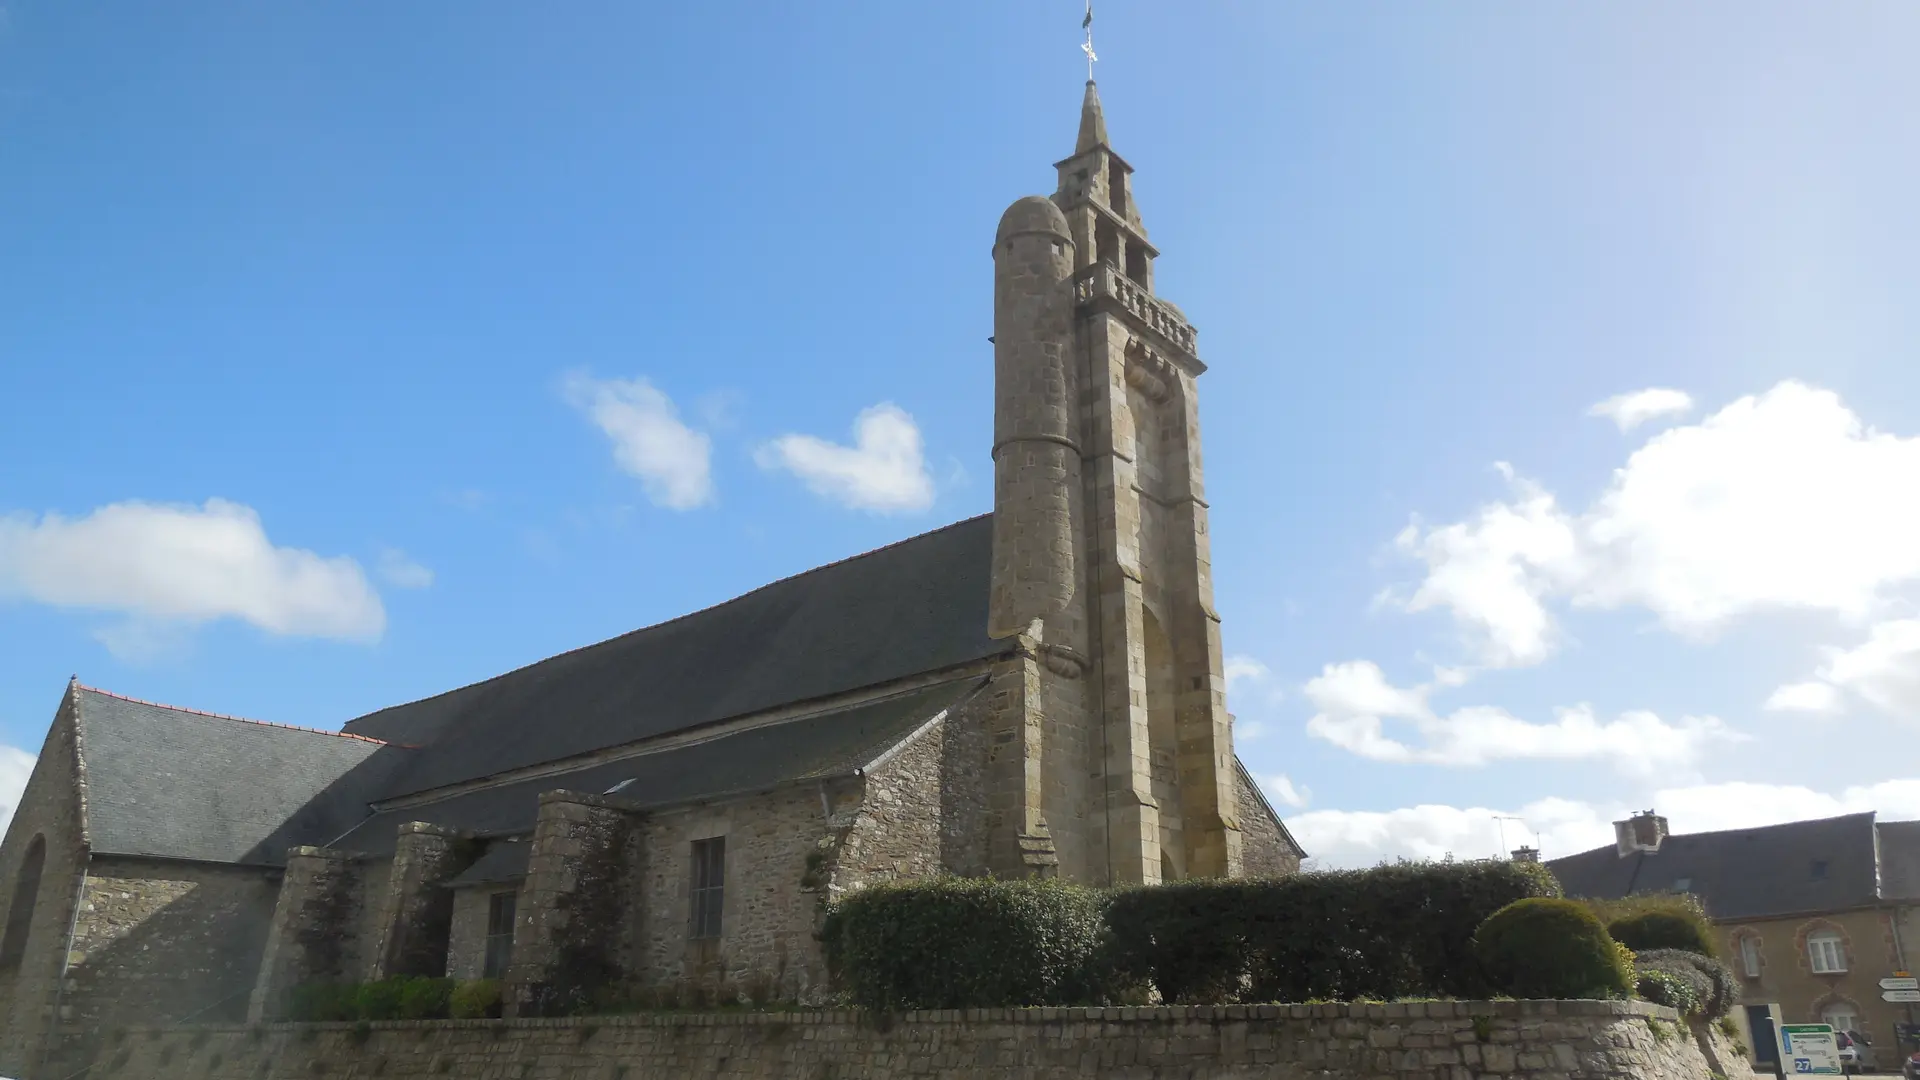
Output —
<point x="1549" y="948"/>
<point x="426" y="999"/>
<point x="1714" y="983"/>
<point x="379" y="1000"/>
<point x="319" y="1003"/>
<point x="951" y="943"/>
<point x="1684" y="907"/>
<point x="476" y="999"/>
<point x="1652" y="930"/>
<point x="1666" y="988"/>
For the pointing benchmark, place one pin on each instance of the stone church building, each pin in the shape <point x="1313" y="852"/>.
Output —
<point x="1037" y="691"/>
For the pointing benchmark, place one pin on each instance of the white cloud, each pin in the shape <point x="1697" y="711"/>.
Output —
<point x="884" y="470"/>
<point x="1355" y="701"/>
<point x="185" y="565"/>
<point x="673" y="461"/>
<point x="1564" y="827"/>
<point x="15" y="766"/>
<point x="1629" y="411"/>
<point x="1244" y="669"/>
<point x="1883" y="670"/>
<point x="401" y="571"/>
<point x="1813" y="697"/>
<point x="1781" y="501"/>
<point x="1286" y="792"/>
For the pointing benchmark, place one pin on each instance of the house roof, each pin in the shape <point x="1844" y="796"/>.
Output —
<point x="1791" y="869"/>
<point x="504" y="860"/>
<point x="173" y="783"/>
<point x="831" y="743"/>
<point x="917" y="606"/>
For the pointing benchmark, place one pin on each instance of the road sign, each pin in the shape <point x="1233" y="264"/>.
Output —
<point x="1898" y="982"/>
<point x="1811" y="1049"/>
<point x="1900" y="995"/>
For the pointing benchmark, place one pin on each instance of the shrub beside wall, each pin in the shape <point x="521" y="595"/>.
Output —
<point x="949" y="943"/>
<point x="1548" y="948"/>
<point x="1394" y="931"/>
<point x="1714" y="988"/>
<point x="400" y="998"/>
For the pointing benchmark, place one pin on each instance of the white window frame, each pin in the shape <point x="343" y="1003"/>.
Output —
<point x="1750" y="955"/>
<point x="1837" y="1010"/>
<point x="1826" y="953"/>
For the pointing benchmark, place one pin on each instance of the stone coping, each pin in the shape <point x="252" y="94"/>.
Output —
<point x="1142" y="1014"/>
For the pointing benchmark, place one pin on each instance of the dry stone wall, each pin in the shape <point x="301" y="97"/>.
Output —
<point x="1511" y="1040"/>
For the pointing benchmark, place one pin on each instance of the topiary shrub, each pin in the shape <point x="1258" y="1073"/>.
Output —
<point x="1650" y="930"/>
<point x="425" y="998"/>
<point x="1715" y="985"/>
<point x="951" y="943"/>
<point x="1670" y="989"/>
<point x="475" y="999"/>
<point x="1550" y="948"/>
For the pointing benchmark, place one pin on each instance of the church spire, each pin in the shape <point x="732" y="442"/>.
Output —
<point x="1093" y="122"/>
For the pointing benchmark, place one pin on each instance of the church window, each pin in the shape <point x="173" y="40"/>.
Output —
<point x="709" y="885"/>
<point x="500" y="907"/>
<point x="26" y="894"/>
<point x="1750" y="955"/>
<point x="1116" y="187"/>
<point x="1826" y="952"/>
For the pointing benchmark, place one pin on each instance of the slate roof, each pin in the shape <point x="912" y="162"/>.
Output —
<point x="504" y="860"/>
<point x="179" y="784"/>
<point x="917" y="606"/>
<point x="824" y="745"/>
<point x="1776" y="870"/>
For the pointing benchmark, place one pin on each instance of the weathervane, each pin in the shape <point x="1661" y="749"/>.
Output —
<point x="1087" y="45"/>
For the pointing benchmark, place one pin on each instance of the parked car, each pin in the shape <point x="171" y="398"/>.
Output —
<point x="1911" y="1069"/>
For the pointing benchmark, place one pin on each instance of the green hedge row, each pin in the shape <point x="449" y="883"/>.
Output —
<point x="1394" y="931"/>
<point x="402" y="998"/>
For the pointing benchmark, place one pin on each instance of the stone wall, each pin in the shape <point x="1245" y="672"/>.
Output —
<point x="52" y="809"/>
<point x="318" y="921"/>
<point x="159" y="941"/>
<point x="1786" y="975"/>
<point x="1512" y="1040"/>
<point x="1265" y="850"/>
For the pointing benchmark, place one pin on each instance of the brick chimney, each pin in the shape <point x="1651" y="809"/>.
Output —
<point x="1642" y="832"/>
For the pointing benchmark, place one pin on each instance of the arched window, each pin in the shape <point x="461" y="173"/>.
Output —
<point x="1842" y="1015"/>
<point x="26" y="891"/>
<point x="1826" y="952"/>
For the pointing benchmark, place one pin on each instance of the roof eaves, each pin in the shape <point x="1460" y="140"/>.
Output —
<point x="79" y="766"/>
<point x="1253" y="785"/>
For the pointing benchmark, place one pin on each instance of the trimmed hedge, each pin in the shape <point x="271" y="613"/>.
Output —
<point x="1630" y="914"/>
<point x="1549" y="948"/>
<point x="1652" y="930"/>
<point x="399" y="998"/>
<point x="950" y="943"/>
<point x="1714" y="983"/>
<point x="1396" y="930"/>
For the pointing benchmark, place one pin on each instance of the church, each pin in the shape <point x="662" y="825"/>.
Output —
<point x="1037" y="691"/>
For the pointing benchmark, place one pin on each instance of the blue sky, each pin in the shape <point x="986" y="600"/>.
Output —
<point x="349" y="353"/>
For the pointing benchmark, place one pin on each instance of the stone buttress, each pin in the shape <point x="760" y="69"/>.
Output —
<point x="1112" y="747"/>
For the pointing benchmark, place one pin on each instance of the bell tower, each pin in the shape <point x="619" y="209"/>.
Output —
<point x="1101" y="563"/>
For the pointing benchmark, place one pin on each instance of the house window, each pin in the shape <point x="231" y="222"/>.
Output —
<point x="26" y="893"/>
<point x="499" y="935"/>
<point x="1750" y="956"/>
<point x="1841" y="1017"/>
<point x="709" y="885"/>
<point x="1818" y="870"/>
<point x="1827" y="954"/>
